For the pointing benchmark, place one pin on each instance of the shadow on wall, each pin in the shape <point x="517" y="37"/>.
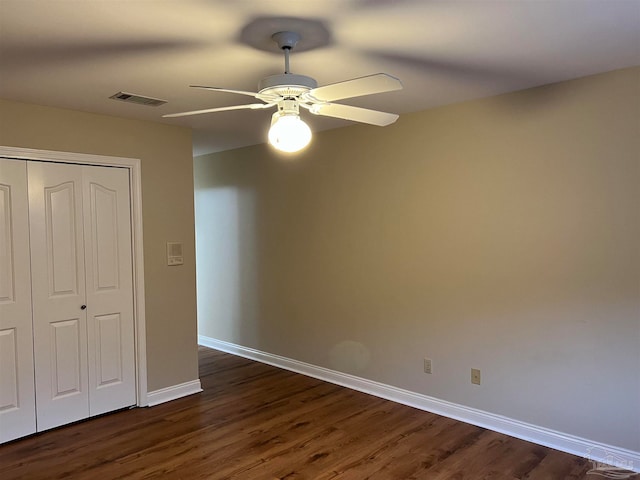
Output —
<point x="227" y="268"/>
<point x="267" y="270"/>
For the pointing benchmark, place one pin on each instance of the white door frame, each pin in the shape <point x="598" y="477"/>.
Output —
<point x="133" y="165"/>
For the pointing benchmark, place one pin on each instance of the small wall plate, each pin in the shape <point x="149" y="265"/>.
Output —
<point x="174" y="254"/>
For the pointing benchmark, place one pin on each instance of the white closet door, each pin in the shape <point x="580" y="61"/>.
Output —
<point x="58" y="290"/>
<point x="109" y="289"/>
<point x="17" y="398"/>
<point x="81" y="264"/>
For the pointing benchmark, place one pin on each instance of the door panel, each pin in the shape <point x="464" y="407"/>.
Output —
<point x="17" y="394"/>
<point x="108" y="348"/>
<point x="61" y="232"/>
<point x="65" y="345"/>
<point x="8" y="370"/>
<point x="109" y="276"/>
<point x="58" y="289"/>
<point x="104" y="237"/>
<point x="6" y="244"/>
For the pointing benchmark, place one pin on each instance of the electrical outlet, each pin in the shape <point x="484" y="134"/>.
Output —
<point x="427" y="365"/>
<point x="475" y="376"/>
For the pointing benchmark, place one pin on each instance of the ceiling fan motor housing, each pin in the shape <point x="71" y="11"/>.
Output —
<point x="288" y="85"/>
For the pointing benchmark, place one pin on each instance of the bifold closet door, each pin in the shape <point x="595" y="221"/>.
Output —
<point x="109" y="289"/>
<point x="82" y="291"/>
<point x="17" y="398"/>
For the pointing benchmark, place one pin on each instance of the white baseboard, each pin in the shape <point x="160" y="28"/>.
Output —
<point x="597" y="452"/>
<point x="172" y="393"/>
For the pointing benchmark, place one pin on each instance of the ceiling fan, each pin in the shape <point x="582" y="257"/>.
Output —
<point x="288" y="92"/>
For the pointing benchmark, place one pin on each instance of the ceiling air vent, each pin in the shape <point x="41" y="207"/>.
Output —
<point x="139" y="99"/>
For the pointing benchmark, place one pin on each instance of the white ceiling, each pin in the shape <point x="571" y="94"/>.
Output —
<point x="76" y="53"/>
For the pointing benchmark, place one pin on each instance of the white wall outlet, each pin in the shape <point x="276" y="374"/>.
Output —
<point x="475" y="376"/>
<point x="427" y="365"/>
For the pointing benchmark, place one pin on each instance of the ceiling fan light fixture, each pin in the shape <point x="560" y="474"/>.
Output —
<point x="288" y="133"/>
<point x="288" y="91"/>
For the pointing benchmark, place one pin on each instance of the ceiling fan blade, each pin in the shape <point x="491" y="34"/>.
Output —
<point x="268" y="98"/>
<point x="357" y="87"/>
<point x="226" y="90"/>
<point x="379" y="3"/>
<point x="251" y="106"/>
<point x="356" y="114"/>
<point x="66" y="52"/>
<point x="473" y="72"/>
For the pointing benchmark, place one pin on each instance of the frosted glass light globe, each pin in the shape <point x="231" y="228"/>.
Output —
<point x="288" y="133"/>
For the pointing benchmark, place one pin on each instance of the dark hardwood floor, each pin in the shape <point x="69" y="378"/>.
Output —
<point x="257" y="422"/>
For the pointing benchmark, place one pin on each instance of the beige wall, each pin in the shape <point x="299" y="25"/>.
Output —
<point x="501" y="234"/>
<point x="167" y="199"/>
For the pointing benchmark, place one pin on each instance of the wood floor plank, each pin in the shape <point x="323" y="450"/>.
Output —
<point x="257" y="422"/>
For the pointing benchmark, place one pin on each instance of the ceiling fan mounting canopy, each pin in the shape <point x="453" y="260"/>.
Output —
<point x="286" y="39"/>
<point x="258" y="34"/>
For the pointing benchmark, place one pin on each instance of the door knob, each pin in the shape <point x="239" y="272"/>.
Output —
<point x="83" y="307"/>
